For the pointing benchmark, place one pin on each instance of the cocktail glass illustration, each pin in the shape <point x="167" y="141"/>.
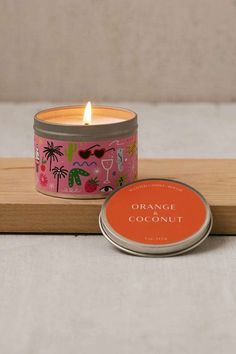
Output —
<point x="107" y="165"/>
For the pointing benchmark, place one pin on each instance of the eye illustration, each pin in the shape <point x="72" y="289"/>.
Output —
<point x="106" y="189"/>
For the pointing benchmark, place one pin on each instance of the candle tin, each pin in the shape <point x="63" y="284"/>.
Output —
<point x="156" y="217"/>
<point x="84" y="161"/>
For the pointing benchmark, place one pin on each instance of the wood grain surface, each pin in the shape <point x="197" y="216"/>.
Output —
<point x="23" y="209"/>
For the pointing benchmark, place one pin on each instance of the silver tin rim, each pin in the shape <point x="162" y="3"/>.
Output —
<point x="74" y="196"/>
<point x="155" y="250"/>
<point x="73" y="132"/>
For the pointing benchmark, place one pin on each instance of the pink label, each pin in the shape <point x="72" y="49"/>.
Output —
<point x="84" y="169"/>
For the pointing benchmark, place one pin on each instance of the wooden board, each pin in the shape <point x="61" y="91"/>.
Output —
<point x="22" y="209"/>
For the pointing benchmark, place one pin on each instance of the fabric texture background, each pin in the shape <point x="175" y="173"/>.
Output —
<point x="153" y="50"/>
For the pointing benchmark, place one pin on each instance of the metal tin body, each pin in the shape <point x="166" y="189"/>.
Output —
<point x="172" y="228"/>
<point x="84" y="162"/>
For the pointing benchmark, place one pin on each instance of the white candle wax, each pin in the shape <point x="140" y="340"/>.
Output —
<point x="73" y="120"/>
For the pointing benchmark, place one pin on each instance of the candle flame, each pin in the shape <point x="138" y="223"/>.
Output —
<point x="87" y="119"/>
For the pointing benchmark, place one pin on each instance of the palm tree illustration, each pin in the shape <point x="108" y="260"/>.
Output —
<point x="51" y="152"/>
<point x="58" y="173"/>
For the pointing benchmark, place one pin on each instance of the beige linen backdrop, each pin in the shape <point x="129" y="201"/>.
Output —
<point x="110" y="50"/>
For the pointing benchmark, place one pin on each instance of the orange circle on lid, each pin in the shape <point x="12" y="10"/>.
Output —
<point x="156" y="212"/>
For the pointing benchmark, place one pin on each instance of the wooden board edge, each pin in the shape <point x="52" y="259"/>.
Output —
<point x="75" y="219"/>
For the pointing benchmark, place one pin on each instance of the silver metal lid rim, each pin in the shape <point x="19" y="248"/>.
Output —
<point x="151" y="248"/>
<point x="156" y="255"/>
<point x="156" y="249"/>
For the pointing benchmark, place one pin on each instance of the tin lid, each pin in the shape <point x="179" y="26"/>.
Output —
<point x="156" y="217"/>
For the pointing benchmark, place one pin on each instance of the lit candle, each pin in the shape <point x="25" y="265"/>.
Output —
<point x="84" y="152"/>
<point x="78" y="115"/>
<point x="87" y="119"/>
